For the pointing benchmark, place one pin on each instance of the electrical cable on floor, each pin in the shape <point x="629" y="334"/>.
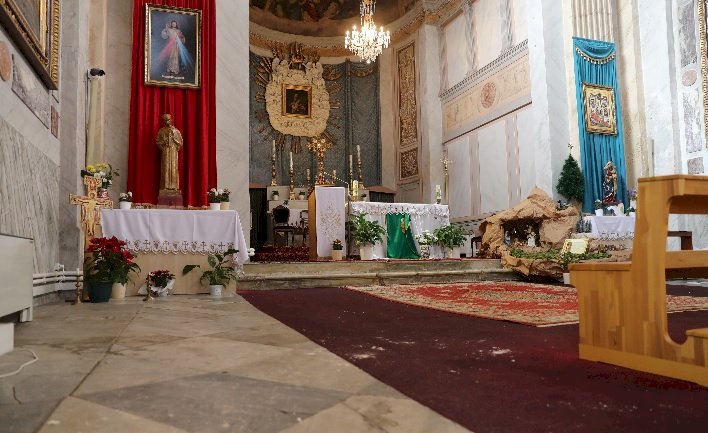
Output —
<point x="36" y="358"/>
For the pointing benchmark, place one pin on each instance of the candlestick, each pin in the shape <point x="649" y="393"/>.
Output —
<point x="272" y="167"/>
<point x="292" y="186"/>
<point x="438" y="195"/>
<point x="358" y="152"/>
<point x="273" y="148"/>
<point x="355" y="190"/>
<point x="358" y="163"/>
<point x="334" y="176"/>
<point x="78" y="287"/>
<point x="351" y="167"/>
<point x="308" y="177"/>
<point x="291" y="160"/>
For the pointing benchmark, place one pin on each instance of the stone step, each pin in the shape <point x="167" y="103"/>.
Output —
<point x="261" y="276"/>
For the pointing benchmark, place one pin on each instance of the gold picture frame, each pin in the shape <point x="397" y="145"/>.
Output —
<point x="293" y="103"/>
<point x="173" y="46"/>
<point x="34" y="25"/>
<point x="599" y="109"/>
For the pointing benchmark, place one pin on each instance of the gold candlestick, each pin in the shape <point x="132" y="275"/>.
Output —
<point x="273" y="181"/>
<point x="318" y="146"/>
<point x="292" y="186"/>
<point x="446" y="165"/>
<point x="149" y="296"/>
<point x="78" y="290"/>
<point x="361" y="177"/>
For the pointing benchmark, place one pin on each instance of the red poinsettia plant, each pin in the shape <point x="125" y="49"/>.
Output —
<point x="160" y="278"/>
<point x="108" y="260"/>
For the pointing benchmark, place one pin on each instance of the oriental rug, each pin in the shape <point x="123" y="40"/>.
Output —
<point x="525" y="303"/>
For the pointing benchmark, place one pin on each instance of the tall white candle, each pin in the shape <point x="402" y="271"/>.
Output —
<point x="273" y="148"/>
<point x="351" y="163"/>
<point x="358" y="153"/>
<point x="308" y="173"/>
<point x="291" y="160"/>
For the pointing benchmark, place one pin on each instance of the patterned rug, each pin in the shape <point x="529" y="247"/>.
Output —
<point x="525" y="303"/>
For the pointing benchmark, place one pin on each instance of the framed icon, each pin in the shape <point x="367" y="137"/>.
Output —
<point x="599" y="109"/>
<point x="297" y="101"/>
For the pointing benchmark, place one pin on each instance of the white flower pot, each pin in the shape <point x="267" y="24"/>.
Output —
<point x="125" y="204"/>
<point x="337" y="254"/>
<point x="599" y="212"/>
<point x="301" y="197"/>
<point x="366" y="252"/>
<point x="215" y="206"/>
<point x="276" y="197"/>
<point x="566" y="277"/>
<point x="633" y="204"/>
<point x="118" y="289"/>
<point x="633" y="214"/>
<point x="216" y="290"/>
<point x="452" y="253"/>
<point x="225" y="205"/>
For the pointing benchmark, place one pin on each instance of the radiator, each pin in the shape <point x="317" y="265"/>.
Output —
<point x="16" y="268"/>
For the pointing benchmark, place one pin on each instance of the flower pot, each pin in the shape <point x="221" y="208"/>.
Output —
<point x="566" y="277"/>
<point x="424" y="251"/>
<point x="225" y="205"/>
<point x="125" y="204"/>
<point x="216" y="290"/>
<point x="366" y="252"/>
<point x="633" y="204"/>
<point x="276" y="197"/>
<point x="102" y="193"/>
<point x="452" y="253"/>
<point x="633" y="214"/>
<point x="599" y="212"/>
<point x="337" y="254"/>
<point x="118" y="290"/>
<point x="99" y="291"/>
<point x="215" y="206"/>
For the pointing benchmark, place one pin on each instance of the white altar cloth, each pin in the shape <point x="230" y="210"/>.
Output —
<point x="423" y="217"/>
<point x="611" y="227"/>
<point x="172" y="231"/>
<point x="330" y="218"/>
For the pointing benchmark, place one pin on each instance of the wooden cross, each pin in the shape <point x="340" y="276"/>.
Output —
<point x="91" y="206"/>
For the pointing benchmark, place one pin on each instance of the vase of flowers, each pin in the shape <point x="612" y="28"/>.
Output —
<point x="223" y="270"/>
<point x="161" y="282"/>
<point x="366" y="234"/>
<point x="103" y="171"/>
<point x="425" y="240"/>
<point x="214" y="199"/>
<point x="632" y="197"/>
<point x="337" y="249"/>
<point x="450" y="237"/>
<point x="275" y="195"/>
<point x="225" y="197"/>
<point x="125" y="200"/>
<point x="598" y="208"/>
<point x="107" y="262"/>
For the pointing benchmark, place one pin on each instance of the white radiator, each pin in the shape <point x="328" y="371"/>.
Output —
<point x="16" y="268"/>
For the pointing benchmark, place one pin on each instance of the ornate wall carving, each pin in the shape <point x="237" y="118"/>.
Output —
<point x="407" y="104"/>
<point x="409" y="163"/>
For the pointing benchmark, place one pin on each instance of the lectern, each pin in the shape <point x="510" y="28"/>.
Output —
<point x="327" y="216"/>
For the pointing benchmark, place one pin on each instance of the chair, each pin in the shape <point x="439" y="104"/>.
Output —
<point x="302" y="227"/>
<point x="281" y="217"/>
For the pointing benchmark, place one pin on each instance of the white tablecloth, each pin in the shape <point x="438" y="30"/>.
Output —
<point x="177" y="231"/>
<point x="611" y="227"/>
<point x="330" y="218"/>
<point x="423" y="217"/>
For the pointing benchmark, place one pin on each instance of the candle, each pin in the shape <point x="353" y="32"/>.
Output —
<point x="291" y="160"/>
<point x="351" y="163"/>
<point x="308" y="174"/>
<point x="355" y="188"/>
<point x="78" y="271"/>
<point x="358" y="153"/>
<point x="273" y="148"/>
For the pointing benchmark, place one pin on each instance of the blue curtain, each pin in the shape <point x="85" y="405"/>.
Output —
<point x="596" y="63"/>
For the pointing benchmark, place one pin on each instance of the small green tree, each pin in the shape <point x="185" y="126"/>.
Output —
<point x="571" y="183"/>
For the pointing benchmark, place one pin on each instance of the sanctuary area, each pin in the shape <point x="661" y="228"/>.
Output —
<point x="353" y="216"/>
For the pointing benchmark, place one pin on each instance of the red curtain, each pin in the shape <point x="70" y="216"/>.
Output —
<point x="193" y="112"/>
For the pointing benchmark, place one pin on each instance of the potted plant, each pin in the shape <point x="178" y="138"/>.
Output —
<point x="275" y="195"/>
<point x="598" y="208"/>
<point x="631" y="212"/>
<point x="103" y="171"/>
<point x="222" y="271"/>
<point x="337" y="249"/>
<point x="161" y="282"/>
<point x="632" y="197"/>
<point x="450" y="237"/>
<point x="107" y="262"/>
<point x="125" y="200"/>
<point x="571" y="183"/>
<point x="302" y="195"/>
<point x="366" y="234"/>
<point x="425" y="240"/>
<point x="225" y="197"/>
<point x="214" y="199"/>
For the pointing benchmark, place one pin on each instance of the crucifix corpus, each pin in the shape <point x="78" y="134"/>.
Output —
<point x="91" y="206"/>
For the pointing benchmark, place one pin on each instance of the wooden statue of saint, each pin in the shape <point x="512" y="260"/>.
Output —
<point x="169" y="140"/>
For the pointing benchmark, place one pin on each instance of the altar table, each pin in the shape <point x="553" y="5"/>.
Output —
<point x="170" y="238"/>
<point x="611" y="227"/>
<point x="423" y="217"/>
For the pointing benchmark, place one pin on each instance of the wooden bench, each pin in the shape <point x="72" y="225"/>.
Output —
<point x="622" y="306"/>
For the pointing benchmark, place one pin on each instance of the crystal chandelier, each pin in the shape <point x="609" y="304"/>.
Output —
<point x="368" y="42"/>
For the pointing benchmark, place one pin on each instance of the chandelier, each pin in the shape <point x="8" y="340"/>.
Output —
<point x="368" y="42"/>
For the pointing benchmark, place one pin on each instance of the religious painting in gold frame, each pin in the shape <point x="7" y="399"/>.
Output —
<point x="599" y="109"/>
<point x="34" y="25"/>
<point x="173" y="46"/>
<point x="297" y="101"/>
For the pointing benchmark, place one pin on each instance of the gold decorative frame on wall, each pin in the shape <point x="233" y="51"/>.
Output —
<point x="189" y="20"/>
<point x="702" y="23"/>
<point x="292" y="104"/>
<point x="34" y="25"/>
<point x="591" y="92"/>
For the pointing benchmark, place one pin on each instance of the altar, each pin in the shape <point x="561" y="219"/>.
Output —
<point x="611" y="227"/>
<point x="424" y="217"/>
<point x="170" y="239"/>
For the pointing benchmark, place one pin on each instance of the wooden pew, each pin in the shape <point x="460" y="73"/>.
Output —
<point x="622" y="306"/>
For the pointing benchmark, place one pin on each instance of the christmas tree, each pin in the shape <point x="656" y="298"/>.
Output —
<point x="571" y="183"/>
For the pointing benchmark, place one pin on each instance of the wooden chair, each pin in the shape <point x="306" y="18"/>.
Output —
<point x="302" y="227"/>
<point x="622" y="306"/>
<point x="281" y="224"/>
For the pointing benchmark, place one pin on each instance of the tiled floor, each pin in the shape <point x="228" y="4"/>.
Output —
<point x="190" y="364"/>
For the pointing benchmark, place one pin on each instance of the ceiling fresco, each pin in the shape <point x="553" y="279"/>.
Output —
<point x="321" y="17"/>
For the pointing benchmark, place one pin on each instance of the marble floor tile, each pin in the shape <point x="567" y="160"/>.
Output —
<point x="75" y="415"/>
<point x="273" y="334"/>
<point x="345" y="419"/>
<point x="234" y="404"/>
<point x="26" y="417"/>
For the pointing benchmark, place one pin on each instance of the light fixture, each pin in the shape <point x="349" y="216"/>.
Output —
<point x="368" y="42"/>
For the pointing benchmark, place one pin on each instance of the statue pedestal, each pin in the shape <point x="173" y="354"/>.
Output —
<point x="169" y="198"/>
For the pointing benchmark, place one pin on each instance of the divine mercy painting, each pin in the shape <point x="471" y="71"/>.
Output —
<point x="297" y="101"/>
<point x="172" y="46"/>
<point x="599" y="108"/>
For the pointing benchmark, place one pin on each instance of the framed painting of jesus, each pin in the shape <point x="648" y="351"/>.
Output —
<point x="599" y="109"/>
<point x="297" y="101"/>
<point x="172" y="46"/>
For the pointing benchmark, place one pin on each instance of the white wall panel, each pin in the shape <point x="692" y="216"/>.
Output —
<point x="488" y="21"/>
<point x="519" y="11"/>
<point x="493" y="176"/>
<point x="456" y="50"/>
<point x="460" y="197"/>
<point x="527" y="166"/>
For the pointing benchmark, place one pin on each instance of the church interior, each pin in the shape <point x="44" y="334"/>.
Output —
<point x="353" y="216"/>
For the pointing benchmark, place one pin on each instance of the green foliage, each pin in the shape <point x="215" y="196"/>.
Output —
<point x="222" y="269"/>
<point x="571" y="183"/>
<point x="366" y="232"/>
<point x="563" y="259"/>
<point x="449" y="236"/>
<point x="107" y="259"/>
<point x="337" y="245"/>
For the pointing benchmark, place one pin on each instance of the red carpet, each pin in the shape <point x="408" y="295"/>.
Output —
<point x="525" y="303"/>
<point x="491" y="376"/>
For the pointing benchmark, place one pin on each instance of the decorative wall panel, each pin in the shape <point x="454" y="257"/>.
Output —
<point x="409" y="163"/>
<point x="407" y="104"/>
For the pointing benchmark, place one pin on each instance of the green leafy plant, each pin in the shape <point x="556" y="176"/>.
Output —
<point x="108" y="260"/>
<point x="449" y="236"/>
<point x="222" y="269"/>
<point x="366" y="232"/>
<point x="598" y="204"/>
<point x="564" y="259"/>
<point x="571" y="183"/>
<point x="337" y="245"/>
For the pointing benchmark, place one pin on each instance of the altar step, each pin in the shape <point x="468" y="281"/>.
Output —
<point x="263" y="276"/>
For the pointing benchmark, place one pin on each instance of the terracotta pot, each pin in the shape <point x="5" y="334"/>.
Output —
<point x="118" y="289"/>
<point x="225" y="205"/>
<point x="215" y="206"/>
<point x="337" y="254"/>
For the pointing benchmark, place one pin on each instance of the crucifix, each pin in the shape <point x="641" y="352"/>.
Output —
<point x="318" y="146"/>
<point x="91" y="206"/>
<point x="446" y="170"/>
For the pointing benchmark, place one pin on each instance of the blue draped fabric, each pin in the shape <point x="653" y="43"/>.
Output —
<point x="594" y="66"/>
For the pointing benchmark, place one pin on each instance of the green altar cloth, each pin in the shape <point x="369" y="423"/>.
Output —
<point x="400" y="239"/>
